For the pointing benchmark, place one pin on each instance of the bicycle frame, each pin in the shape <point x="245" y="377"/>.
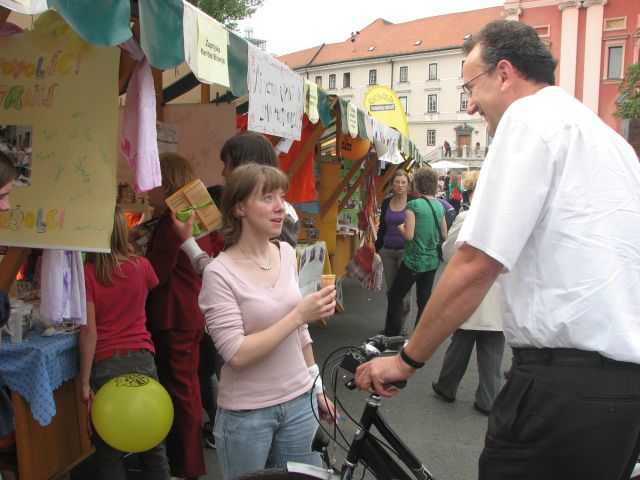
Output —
<point x="366" y="448"/>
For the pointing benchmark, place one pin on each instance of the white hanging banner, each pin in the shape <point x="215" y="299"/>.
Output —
<point x="352" y="119"/>
<point x="385" y="140"/>
<point x="28" y="7"/>
<point x="311" y="101"/>
<point x="276" y="96"/>
<point x="205" y="47"/>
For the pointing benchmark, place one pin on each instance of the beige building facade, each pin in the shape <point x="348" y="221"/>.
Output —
<point x="421" y="61"/>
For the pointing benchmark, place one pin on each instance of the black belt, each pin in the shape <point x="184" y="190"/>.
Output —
<point x="393" y="248"/>
<point x="568" y="357"/>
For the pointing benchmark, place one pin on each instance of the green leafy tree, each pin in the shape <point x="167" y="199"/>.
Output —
<point x="228" y="12"/>
<point x="630" y="88"/>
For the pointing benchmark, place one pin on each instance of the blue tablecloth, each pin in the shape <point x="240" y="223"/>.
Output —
<point x="37" y="367"/>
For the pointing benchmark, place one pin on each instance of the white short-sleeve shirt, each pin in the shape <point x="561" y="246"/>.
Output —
<point x="558" y="205"/>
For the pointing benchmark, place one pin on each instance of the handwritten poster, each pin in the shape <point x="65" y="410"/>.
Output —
<point x="276" y="96"/>
<point x="60" y="106"/>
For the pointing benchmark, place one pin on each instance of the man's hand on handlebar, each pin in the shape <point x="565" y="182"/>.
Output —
<point x="378" y="374"/>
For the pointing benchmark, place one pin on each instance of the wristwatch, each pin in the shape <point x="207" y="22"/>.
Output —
<point x="410" y="361"/>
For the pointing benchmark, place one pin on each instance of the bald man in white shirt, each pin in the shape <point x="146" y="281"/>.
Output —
<point x="556" y="219"/>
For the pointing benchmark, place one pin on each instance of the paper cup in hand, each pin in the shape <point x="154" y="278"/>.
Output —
<point x="328" y="280"/>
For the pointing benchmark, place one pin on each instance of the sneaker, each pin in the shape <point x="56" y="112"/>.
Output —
<point x="210" y="441"/>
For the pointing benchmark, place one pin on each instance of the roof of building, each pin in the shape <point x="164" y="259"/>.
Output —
<point x="386" y="38"/>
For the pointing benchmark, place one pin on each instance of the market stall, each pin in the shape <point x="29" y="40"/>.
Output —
<point x="63" y="82"/>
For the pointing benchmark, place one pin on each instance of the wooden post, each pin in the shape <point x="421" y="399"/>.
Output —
<point x="367" y="170"/>
<point x="205" y="93"/>
<point x="325" y="207"/>
<point x="306" y="149"/>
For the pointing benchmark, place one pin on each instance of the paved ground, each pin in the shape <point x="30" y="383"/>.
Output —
<point x="447" y="437"/>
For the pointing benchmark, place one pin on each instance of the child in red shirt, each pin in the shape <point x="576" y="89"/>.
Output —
<point x="115" y="340"/>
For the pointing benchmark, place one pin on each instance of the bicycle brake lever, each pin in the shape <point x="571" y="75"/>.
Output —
<point x="399" y="385"/>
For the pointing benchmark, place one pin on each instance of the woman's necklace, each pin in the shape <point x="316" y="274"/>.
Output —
<point x="268" y="267"/>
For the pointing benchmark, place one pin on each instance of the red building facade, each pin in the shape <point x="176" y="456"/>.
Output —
<point x="594" y="40"/>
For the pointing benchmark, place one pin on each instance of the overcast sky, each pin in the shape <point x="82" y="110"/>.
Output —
<point x="292" y="25"/>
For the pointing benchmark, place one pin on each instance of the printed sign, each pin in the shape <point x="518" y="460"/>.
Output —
<point x="59" y="119"/>
<point x="276" y="96"/>
<point x="212" y="52"/>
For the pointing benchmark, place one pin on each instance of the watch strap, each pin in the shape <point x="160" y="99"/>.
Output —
<point x="410" y="361"/>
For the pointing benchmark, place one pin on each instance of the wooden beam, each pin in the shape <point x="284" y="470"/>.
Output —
<point x="10" y="266"/>
<point x="306" y="149"/>
<point x="205" y="93"/>
<point x="4" y="14"/>
<point x="339" y="189"/>
<point x="126" y="62"/>
<point x="355" y="186"/>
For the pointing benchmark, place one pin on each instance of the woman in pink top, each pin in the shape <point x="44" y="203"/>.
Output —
<point x="256" y="316"/>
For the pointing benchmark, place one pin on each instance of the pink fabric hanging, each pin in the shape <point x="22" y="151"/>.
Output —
<point x="139" y="139"/>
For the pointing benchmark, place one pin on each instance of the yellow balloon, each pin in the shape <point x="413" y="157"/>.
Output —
<point x="132" y="413"/>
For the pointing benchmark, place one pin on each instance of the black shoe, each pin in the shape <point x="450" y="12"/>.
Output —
<point x="480" y="409"/>
<point x="441" y="395"/>
<point x="210" y="441"/>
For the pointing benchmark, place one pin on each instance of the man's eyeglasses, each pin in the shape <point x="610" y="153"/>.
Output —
<point x="467" y="86"/>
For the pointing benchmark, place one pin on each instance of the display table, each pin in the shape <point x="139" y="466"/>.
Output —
<point x="50" y="416"/>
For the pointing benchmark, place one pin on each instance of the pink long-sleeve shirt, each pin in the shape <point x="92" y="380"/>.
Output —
<point x="235" y="305"/>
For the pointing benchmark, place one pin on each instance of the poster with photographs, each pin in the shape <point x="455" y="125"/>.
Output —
<point x="310" y="266"/>
<point x="309" y="231"/>
<point x="15" y="143"/>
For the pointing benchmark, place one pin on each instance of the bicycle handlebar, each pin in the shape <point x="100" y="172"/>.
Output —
<point x="373" y="347"/>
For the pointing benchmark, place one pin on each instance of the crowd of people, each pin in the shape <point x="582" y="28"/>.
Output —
<point x="246" y="301"/>
<point x="568" y="284"/>
<point x="568" y="273"/>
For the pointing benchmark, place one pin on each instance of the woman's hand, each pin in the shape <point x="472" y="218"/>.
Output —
<point x="327" y="409"/>
<point x="184" y="230"/>
<point x="315" y="306"/>
<point x="87" y="398"/>
<point x="87" y="393"/>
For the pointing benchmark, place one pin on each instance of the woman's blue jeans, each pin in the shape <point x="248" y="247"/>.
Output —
<point x="245" y="437"/>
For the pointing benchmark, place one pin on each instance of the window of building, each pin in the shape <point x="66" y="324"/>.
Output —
<point x="431" y="137"/>
<point x="432" y="103"/>
<point x="433" y="71"/>
<point x="332" y="81"/>
<point x="405" y="104"/>
<point x="543" y="30"/>
<point x="373" y="77"/>
<point x="346" y="80"/>
<point x="404" y="74"/>
<point x="614" y="68"/>
<point x="464" y="101"/>
<point x="319" y="80"/>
